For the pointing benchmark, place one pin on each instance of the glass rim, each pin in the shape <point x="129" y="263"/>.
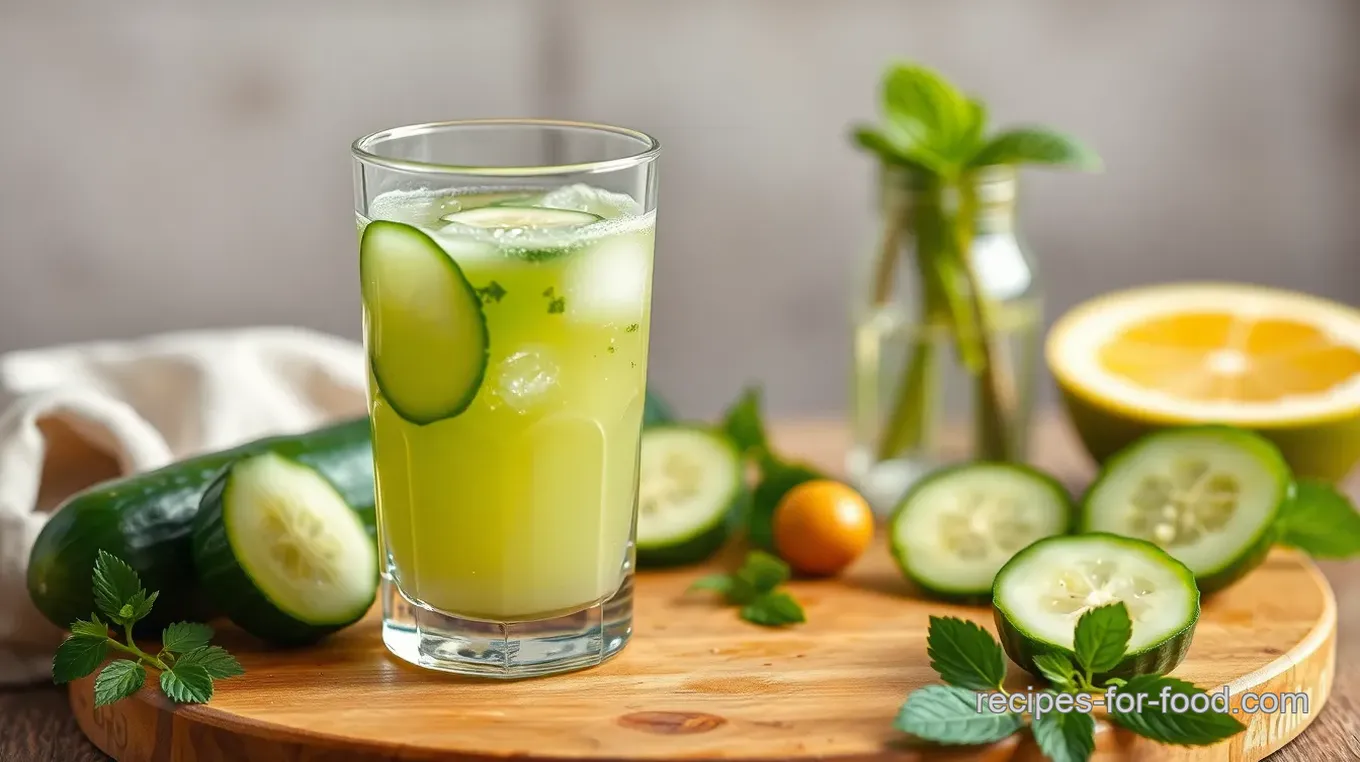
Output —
<point x="361" y="149"/>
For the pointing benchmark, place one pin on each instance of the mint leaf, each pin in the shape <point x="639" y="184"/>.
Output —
<point x="874" y="141"/>
<point x="948" y="714"/>
<point x="964" y="654"/>
<point x="1036" y="145"/>
<point x="120" y="679"/>
<point x="1057" y="669"/>
<point x="928" y="119"/>
<point x="187" y="684"/>
<point x="1065" y="736"/>
<point x="773" y="610"/>
<point x="1159" y="723"/>
<point x="115" y="583"/>
<point x="763" y="571"/>
<point x="212" y="659"/>
<point x="78" y="656"/>
<point x="1102" y="637"/>
<point x="776" y="480"/>
<point x="141" y="604"/>
<point x="742" y="424"/>
<point x="182" y="637"/>
<point x="1320" y="521"/>
<point x="95" y="628"/>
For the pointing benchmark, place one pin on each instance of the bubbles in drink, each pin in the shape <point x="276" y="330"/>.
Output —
<point x="525" y="378"/>
<point x="584" y="198"/>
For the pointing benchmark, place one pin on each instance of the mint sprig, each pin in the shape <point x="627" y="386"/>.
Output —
<point x="754" y="588"/>
<point x="965" y="656"/>
<point x="188" y="665"/>
<point x="744" y="425"/>
<point x="1320" y="521"/>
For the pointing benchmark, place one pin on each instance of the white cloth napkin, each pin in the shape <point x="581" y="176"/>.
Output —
<point x="75" y="415"/>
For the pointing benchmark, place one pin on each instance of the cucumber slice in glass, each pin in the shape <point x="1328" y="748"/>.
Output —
<point x="690" y="493"/>
<point x="426" y="332"/>
<point x="954" y="529"/>
<point x="1208" y="495"/>
<point x="281" y="553"/>
<point x="507" y="216"/>
<point x="1041" y="593"/>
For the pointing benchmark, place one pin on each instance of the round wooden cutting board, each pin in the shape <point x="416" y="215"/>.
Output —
<point x="696" y="682"/>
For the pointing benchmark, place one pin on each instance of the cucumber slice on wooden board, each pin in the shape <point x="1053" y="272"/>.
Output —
<point x="954" y="530"/>
<point x="507" y="216"/>
<point x="426" y="333"/>
<point x="146" y="520"/>
<point x="1208" y="495"/>
<point x="1041" y="593"/>
<point x="690" y="494"/>
<point x="280" y="552"/>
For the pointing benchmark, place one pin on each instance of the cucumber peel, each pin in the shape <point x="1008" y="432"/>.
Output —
<point x="691" y="494"/>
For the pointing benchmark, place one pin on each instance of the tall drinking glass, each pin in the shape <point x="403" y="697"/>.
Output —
<point x="506" y="271"/>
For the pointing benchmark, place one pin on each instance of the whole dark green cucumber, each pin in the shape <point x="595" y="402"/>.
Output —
<point x="147" y="520"/>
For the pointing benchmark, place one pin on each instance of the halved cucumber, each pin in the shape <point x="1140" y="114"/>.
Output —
<point x="426" y="333"/>
<point x="508" y="216"/>
<point x="1208" y="495"/>
<point x="954" y="529"/>
<point x="690" y="494"/>
<point x="280" y="552"/>
<point x="1041" y="593"/>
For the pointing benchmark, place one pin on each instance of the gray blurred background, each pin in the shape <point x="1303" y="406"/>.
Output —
<point x="185" y="165"/>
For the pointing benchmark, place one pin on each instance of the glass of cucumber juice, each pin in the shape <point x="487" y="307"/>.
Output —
<point x="506" y="269"/>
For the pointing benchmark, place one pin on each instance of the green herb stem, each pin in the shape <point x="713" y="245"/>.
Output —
<point x="143" y="656"/>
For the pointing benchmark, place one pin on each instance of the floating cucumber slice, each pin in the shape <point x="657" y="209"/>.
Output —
<point x="954" y="529"/>
<point x="507" y="216"/>
<point x="1041" y="593"/>
<point x="281" y="553"/>
<point x="690" y="493"/>
<point x="426" y="333"/>
<point x="1208" y="495"/>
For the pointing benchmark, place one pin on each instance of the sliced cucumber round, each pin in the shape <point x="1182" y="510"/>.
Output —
<point x="1041" y="593"/>
<point x="426" y="333"/>
<point x="507" y="216"/>
<point x="1208" y="495"/>
<point x="691" y="492"/>
<point x="954" y="529"/>
<point x="281" y="553"/>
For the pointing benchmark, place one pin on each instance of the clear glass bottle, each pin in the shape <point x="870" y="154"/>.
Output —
<point x="928" y="390"/>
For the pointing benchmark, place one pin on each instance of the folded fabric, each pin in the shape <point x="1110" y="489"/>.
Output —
<point x="76" y="415"/>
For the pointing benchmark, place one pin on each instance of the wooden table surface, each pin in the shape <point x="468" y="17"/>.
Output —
<point x="36" y="723"/>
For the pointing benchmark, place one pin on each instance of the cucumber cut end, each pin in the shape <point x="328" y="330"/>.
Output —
<point x="298" y="541"/>
<point x="955" y="529"/>
<point x="1043" y="591"/>
<point x="689" y="487"/>
<point x="1208" y="495"/>
<point x="418" y="305"/>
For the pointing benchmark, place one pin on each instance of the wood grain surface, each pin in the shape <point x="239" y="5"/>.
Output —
<point x="757" y="682"/>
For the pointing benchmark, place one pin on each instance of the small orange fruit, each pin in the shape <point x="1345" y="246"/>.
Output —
<point x="820" y="526"/>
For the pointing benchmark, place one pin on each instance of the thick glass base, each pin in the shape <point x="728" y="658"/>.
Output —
<point x="507" y="650"/>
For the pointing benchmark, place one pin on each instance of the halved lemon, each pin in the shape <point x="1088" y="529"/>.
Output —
<point x="1281" y="363"/>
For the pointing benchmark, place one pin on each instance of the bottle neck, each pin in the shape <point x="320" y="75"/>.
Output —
<point x="993" y="191"/>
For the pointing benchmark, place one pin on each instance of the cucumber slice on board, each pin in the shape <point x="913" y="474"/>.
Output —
<point x="954" y="529"/>
<point x="1041" y="593"/>
<point x="281" y="553"/>
<point x="690" y="494"/>
<point x="507" y="216"/>
<point x="1208" y="495"/>
<point x="426" y="332"/>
